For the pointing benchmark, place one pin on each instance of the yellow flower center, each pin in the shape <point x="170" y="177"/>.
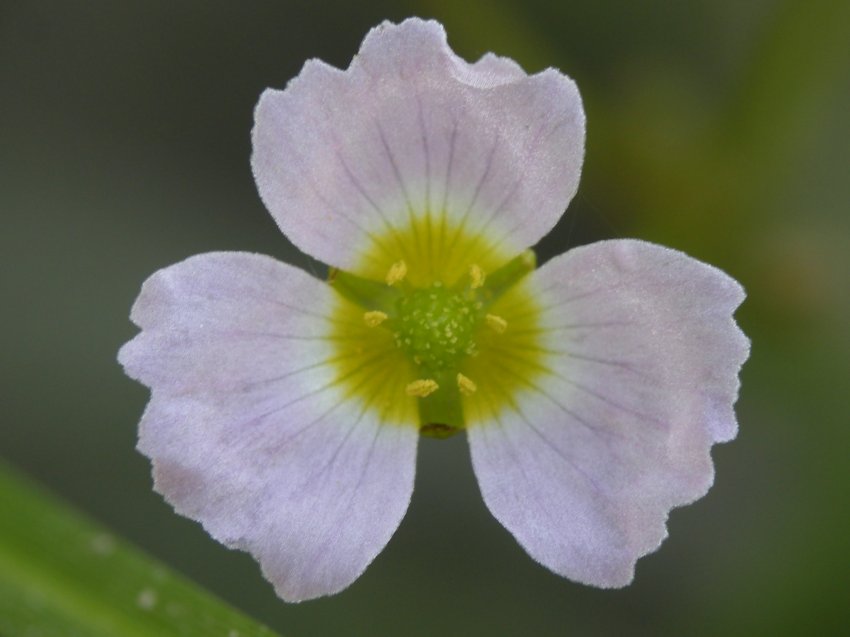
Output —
<point x="437" y="328"/>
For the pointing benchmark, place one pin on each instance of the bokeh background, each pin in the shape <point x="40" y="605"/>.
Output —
<point x="718" y="127"/>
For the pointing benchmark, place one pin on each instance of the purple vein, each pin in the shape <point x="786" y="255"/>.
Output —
<point x="537" y="388"/>
<point x="447" y="186"/>
<point x="427" y="156"/>
<point x="397" y="173"/>
<point x="478" y="187"/>
<point x="611" y="403"/>
<point x="535" y="143"/>
<point x="532" y="146"/>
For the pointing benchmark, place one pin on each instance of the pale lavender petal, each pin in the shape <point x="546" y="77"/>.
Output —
<point x="410" y="129"/>
<point x="248" y="429"/>
<point x="643" y="357"/>
<point x="489" y="71"/>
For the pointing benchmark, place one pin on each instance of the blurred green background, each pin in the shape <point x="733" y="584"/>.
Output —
<point x="716" y="127"/>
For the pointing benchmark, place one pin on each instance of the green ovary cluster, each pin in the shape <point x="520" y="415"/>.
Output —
<point x="434" y="326"/>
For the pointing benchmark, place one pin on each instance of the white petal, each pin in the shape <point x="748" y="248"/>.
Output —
<point x="249" y="430"/>
<point x="409" y="130"/>
<point x="642" y="357"/>
<point x="220" y="321"/>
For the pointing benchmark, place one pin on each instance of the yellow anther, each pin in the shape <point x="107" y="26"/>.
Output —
<point x="421" y="388"/>
<point x="465" y="385"/>
<point x="374" y="318"/>
<point x="397" y="272"/>
<point x="476" y="274"/>
<point x="496" y="323"/>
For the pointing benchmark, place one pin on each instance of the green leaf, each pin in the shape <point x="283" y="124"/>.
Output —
<point x="62" y="575"/>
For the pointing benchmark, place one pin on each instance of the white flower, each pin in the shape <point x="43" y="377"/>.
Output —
<point x="285" y="411"/>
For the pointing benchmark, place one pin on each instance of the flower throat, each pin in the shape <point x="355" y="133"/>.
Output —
<point x="430" y="331"/>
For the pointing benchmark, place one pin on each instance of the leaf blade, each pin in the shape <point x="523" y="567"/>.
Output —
<point x="62" y="575"/>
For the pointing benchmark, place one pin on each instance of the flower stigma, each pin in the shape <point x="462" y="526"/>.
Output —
<point x="444" y="335"/>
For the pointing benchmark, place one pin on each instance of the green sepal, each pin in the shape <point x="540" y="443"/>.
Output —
<point x="368" y="294"/>
<point x="500" y="281"/>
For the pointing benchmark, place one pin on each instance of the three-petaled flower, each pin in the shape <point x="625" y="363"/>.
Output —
<point x="285" y="411"/>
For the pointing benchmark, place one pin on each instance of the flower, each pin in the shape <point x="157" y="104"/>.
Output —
<point x="285" y="411"/>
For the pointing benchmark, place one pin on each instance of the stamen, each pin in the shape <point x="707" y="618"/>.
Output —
<point x="496" y="323"/>
<point x="421" y="388"/>
<point x="465" y="385"/>
<point x="397" y="272"/>
<point x="374" y="318"/>
<point x="476" y="274"/>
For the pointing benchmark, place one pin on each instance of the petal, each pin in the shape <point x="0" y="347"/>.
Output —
<point x="640" y="360"/>
<point x="218" y="321"/>
<point x="344" y="159"/>
<point x="250" y="430"/>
